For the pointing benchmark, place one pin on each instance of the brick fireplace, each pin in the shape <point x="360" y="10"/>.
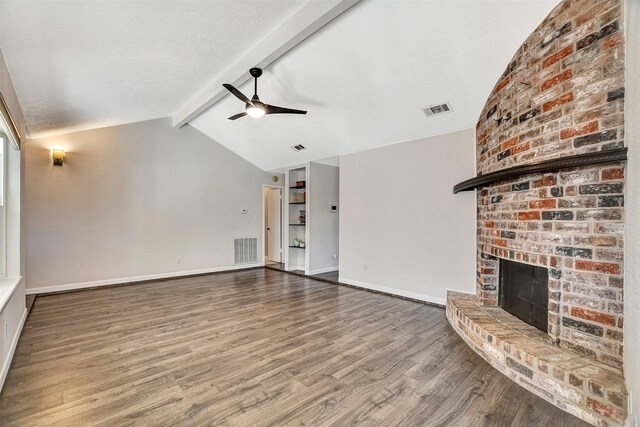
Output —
<point x="561" y="95"/>
<point x="570" y="222"/>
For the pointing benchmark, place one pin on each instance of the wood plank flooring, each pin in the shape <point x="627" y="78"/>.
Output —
<point x="331" y="276"/>
<point x="254" y="347"/>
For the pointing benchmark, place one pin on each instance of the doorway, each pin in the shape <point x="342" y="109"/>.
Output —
<point x="272" y="228"/>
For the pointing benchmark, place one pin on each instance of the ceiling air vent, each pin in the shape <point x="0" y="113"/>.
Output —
<point x="298" y="147"/>
<point x="436" y="109"/>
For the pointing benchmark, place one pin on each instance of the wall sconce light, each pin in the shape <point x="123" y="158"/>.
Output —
<point x="58" y="156"/>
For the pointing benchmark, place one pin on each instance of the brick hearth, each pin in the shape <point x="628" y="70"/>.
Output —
<point x="587" y="388"/>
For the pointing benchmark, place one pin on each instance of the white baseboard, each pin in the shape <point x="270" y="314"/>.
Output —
<point x="393" y="291"/>
<point x="323" y="270"/>
<point x="7" y="363"/>
<point x="107" y="282"/>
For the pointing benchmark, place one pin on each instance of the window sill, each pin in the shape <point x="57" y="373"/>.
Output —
<point x="7" y="286"/>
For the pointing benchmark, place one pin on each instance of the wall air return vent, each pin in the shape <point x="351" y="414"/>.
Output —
<point x="298" y="147"/>
<point x="245" y="250"/>
<point x="437" y="109"/>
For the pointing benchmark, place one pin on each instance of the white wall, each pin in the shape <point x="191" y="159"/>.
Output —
<point x="632" y="211"/>
<point x="399" y="217"/>
<point x="323" y="224"/>
<point x="129" y="200"/>
<point x="13" y="314"/>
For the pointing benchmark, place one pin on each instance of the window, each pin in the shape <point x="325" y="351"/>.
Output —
<point x="7" y="159"/>
<point x="9" y="195"/>
<point x="3" y="227"/>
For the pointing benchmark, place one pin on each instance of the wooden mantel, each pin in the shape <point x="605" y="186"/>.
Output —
<point x="606" y="156"/>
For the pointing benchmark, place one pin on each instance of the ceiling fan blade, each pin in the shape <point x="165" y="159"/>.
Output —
<point x="237" y="116"/>
<point x="237" y="93"/>
<point x="274" y="109"/>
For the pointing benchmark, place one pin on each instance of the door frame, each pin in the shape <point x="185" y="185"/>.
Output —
<point x="264" y="222"/>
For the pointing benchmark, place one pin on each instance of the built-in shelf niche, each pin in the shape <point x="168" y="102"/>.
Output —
<point x="297" y="230"/>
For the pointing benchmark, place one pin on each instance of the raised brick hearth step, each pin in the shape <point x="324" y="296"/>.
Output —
<point x="584" y="387"/>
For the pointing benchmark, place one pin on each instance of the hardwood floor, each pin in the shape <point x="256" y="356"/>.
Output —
<point x="275" y="265"/>
<point x="331" y="276"/>
<point x="255" y="347"/>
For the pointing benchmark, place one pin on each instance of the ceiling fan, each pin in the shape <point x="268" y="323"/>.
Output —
<point x="254" y="107"/>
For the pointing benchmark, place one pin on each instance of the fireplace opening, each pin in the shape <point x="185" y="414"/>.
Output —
<point x="524" y="292"/>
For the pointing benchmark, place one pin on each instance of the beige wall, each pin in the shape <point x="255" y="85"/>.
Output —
<point x="129" y="200"/>
<point x="323" y="224"/>
<point x="400" y="218"/>
<point x="632" y="213"/>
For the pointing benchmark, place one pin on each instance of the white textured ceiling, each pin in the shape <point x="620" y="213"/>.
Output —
<point x="366" y="76"/>
<point x="86" y="64"/>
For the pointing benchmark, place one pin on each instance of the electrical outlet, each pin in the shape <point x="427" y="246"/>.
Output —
<point x="365" y="267"/>
<point x="403" y="274"/>
<point x="178" y="260"/>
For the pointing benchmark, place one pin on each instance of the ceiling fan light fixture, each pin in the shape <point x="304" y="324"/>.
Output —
<point x="255" y="111"/>
<point x="254" y="107"/>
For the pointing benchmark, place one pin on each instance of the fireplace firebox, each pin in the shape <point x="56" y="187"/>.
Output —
<point x="524" y="292"/>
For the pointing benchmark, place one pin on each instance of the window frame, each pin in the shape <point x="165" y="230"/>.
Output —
<point x="3" y="204"/>
<point x="11" y="139"/>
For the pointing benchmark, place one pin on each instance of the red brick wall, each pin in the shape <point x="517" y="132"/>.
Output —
<point x="562" y="94"/>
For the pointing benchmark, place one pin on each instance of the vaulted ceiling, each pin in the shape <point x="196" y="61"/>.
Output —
<point x="364" y="78"/>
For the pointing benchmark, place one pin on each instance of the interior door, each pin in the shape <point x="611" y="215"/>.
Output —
<point x="274" y="224"/>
